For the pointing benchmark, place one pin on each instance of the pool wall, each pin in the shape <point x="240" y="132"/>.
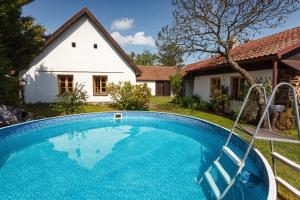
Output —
<point x="257" y="157"/>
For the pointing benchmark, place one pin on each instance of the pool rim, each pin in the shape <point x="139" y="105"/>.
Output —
<point x="272" y="190"/>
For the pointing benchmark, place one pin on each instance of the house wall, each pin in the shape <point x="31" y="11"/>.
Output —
<point x="189" y="87"/>
<point x="150" y="84"/>
<point x="82" y="62"/>
<point x="202" y="84"/>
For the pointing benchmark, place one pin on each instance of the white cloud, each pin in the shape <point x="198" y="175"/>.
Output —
<point x="122" y="24"/>
<point x="137" y="39"/>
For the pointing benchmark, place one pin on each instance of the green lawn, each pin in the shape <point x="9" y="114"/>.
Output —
<point x="163" y="104"/>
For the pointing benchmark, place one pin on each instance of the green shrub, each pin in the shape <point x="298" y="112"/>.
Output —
<point x="220" y="101"/>
<point x="233" y="114"/>
<point x="10" y="91"/>
<point x="250" y="112"/>
<point x="176" y="82"/>
<point x="73" y="102"/>
<point x="191" y="102"/>
<point x="126" y="96"/>
<point x="177" y="99"/>
<point x="205" y="106"/>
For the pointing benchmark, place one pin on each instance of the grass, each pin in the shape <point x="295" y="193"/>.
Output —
<point x="163" y="104"/>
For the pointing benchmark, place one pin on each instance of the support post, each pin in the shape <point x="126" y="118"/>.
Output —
<point x="275" y="73"/>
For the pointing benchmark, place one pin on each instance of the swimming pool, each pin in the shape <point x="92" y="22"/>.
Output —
<point x="146" y="155"/>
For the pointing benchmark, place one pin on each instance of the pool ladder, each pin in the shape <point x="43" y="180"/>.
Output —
<point x="240" y="163"/>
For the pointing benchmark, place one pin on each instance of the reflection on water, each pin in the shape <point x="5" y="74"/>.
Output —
<point x="91" y="146"/>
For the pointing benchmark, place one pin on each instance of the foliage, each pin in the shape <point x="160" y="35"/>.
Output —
<point x="191" y="102"/>
<point x="20" y="41"/>
<point x="20" y="38"/>
<point x="250" y="113"/>
<point x="205" y="106"/>
<point x="220" y="101"/>
<point x="72" y="102"/>
<point x="176" y="82"/>
<point x="215" y="27"/>
<point x="126" y="96"/>
<point x="266" y="83"/>
<point x="169" y="54"/>
<point x="146" y="58"/>
<point x="233" y="114"/>
<point x="10" y="91"/>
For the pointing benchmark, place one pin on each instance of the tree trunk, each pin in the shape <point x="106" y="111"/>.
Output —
<point x="259" y="93"/>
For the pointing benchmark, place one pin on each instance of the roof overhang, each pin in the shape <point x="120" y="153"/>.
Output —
<point x="295" y="64"/>
<point x="218" y="68"/>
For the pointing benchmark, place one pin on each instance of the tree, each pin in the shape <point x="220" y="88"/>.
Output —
<point x="20" y="41"/>
<point x="215" y="26"/>
<point x="169" y="54"/>
<point x="146" y="58"/>
<point x="176" y="82"/>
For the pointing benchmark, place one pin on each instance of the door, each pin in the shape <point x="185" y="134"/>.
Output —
<point x="159" y="90"/>
<point x="162" y="88"/>
<point x="166" y="88"/>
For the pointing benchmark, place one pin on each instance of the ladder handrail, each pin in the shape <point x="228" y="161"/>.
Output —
<point x="243" y="106"/>
<point x="261" y="120"/>
<point x="266" y="111"/>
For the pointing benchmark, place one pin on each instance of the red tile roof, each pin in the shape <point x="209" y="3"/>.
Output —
<point x="156" y="73"/>
<point x="274" y="45"/>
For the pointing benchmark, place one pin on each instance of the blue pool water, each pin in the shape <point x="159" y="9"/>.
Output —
<point x="144" y="156"/>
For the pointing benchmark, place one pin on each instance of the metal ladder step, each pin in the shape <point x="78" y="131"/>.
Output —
<point x="232" y="155"/>
<point x="285" y="184"/>
<point x="212" y="184"/>
<point x="222" y="171"/>
<point x="286" y="161"/>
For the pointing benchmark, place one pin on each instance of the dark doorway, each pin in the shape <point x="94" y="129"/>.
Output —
<point x="162" y="88"/>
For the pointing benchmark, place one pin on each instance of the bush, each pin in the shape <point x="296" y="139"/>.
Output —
<point x="220" y="101"/>
<point x="250" y="112"/>
<point x="126" y="96"/>
<point x="69" y="103"/>
<point x="233" y="114"/>
<point x="10" y="91"/>
<point x="205" y="106"/>
<point x="176" y="82"/>
<point x="191" y="102"/>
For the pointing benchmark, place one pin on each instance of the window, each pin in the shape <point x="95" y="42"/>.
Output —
<point x="65" y="83"/>
<point x="73" y="44"/>
<point x="215" y="84"/>
<point x="237" y="84"/>
<point x="95" y="46"/>
<point x="100" y="85"/>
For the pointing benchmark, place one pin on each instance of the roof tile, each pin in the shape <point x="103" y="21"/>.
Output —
<point x="156" y="73"/>
<point x="275" y="44"/>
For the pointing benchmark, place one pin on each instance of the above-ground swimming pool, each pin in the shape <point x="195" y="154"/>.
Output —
<point x="146" y="155"/>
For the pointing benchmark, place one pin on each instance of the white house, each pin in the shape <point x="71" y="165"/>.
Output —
<point x="276" y="57"/>
<point x="80" y="51"/>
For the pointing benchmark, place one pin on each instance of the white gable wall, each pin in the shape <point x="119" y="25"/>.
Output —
<point x="60" y="58"/>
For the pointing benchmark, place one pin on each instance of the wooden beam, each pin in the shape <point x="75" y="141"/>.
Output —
<point x="275" y="73"/>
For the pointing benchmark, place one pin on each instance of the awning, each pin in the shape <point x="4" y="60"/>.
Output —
<point x="292" y="63"/>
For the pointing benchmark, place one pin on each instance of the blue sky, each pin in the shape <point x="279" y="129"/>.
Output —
<point x="134" y="22"/>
